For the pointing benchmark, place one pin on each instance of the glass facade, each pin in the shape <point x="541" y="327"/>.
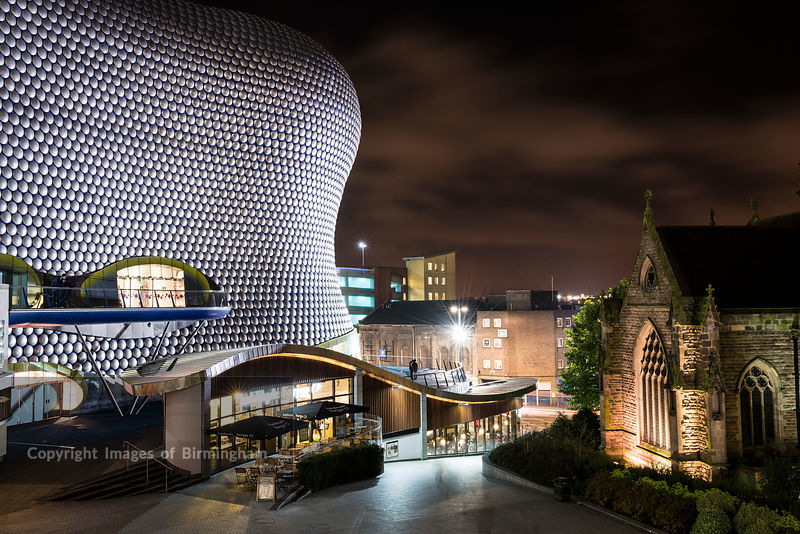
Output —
<point x="475" y="436"/>
<point x="361" y="300"/>
<point x="227" y="451"/>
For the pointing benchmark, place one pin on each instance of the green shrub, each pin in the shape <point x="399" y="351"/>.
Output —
<point x="786" y="524"/>
<point x="341" y="466"/>
<point x="555" y="452"/>
<point x="645" y="502"/>
<point x="781" y="483"/>
<point x="714" y="509"/>
<point x="754" y="519"/>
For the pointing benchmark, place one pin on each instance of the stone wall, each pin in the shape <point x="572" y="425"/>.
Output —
<point x="743" y="338"/>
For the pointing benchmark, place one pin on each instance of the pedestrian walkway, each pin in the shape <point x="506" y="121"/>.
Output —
<point x="442" y="495"/>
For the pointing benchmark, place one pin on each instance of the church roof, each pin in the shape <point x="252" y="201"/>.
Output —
<point x="748" y="266"/>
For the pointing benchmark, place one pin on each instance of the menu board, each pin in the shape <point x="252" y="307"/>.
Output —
<point x="265" y="489"/>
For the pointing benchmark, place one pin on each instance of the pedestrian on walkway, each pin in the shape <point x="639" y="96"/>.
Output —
<point x="414" y="367"/>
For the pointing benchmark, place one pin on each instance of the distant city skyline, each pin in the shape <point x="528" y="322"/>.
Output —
<point x="525" y="141"/>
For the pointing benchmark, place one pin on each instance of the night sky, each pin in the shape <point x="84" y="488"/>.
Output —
<point x="525" y="139"/>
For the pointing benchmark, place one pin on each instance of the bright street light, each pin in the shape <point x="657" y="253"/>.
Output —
<point x="362" y="245"/>
<point x="459" y="334"/>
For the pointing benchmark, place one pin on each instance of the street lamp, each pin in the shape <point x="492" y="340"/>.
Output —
<point x="362" y="245"/>
<point x="459" y="332"/>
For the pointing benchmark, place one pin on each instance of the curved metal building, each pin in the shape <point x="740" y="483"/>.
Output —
<point x="159" y="128"/>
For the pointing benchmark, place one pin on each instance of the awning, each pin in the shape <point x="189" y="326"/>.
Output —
<point x="325" y="409"/>
<point x="260" y="427"/>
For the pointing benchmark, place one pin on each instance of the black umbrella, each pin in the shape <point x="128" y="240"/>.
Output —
<point x="260" y="427"/>
<point x="325" y="409"/>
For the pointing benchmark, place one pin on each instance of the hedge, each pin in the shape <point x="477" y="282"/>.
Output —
<point x="340" y="466"/>
<point x="669" y="511"/>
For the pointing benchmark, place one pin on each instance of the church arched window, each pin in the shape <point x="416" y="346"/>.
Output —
<point x="652" y="391"/>
<point x="758" y="389"/>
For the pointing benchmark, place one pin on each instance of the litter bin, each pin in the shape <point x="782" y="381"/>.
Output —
<point x="562" y="489"/>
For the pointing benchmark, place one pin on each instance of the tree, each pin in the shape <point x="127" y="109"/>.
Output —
<point x="580" y="379"/>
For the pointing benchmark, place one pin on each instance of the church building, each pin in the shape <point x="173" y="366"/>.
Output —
<point x="698" y="369"/>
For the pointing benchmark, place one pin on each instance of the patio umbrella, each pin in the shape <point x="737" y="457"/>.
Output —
<point x="260" y="427"/>
<point x="325" y="409"/>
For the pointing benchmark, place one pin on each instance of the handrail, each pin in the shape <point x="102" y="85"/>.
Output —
<point x="147" y="457"/>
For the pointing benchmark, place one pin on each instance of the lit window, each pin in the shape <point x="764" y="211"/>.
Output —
<point x="560" y="342"/>
<point x="436" y="280"/>
<point x="404" y="280"/>
<point x="435" y="266"/>
<point x="430" y="280"/>
<point x="361" y="282"/>
<point x="430" y="295"/>
<point x="443" y="282"/>
<point x="560" y="363"/>
<point x="342" y="281"/>
<point x="498" y="364"/>
<point x="487" y="343"/>
<point x="444" y="296"/>
<point x="487" y="364"/>
<point x="568" y="322"/>
<point x="486" y="322"/>
<point x="559" y="322"/>
<point x="362" y="301"/>
<point x="436" y="296"/>
<point x="443" y="267"/>
<point x="498" y="343"/>
<point x="498" y="323"/>
<point x="430" y="266"/>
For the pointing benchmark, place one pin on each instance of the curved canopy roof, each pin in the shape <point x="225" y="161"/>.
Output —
<point x="175" y="373"/>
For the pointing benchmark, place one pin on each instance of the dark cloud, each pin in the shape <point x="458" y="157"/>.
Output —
<point x="526" y="140"/>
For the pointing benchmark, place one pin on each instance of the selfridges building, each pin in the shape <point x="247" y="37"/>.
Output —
<point x="150" y="143"/>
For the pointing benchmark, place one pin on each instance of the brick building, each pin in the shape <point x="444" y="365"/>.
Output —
<point x="523" y="333"/>
<point x="698" y="367"/>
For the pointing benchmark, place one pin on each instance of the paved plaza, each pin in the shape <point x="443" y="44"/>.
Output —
<point x="442" y="495"/>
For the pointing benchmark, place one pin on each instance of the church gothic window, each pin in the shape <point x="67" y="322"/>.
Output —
<point x="653" y="393"/>
<point x="647" y="275"/>
<point x="757" y="392"/>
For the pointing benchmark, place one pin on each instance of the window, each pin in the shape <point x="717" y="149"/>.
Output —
<point x="435" y="266"/>
<point x="653" y="392"/>
<point x="361" y="283"/>
<point x="498" y="343"/>
<point x="561" y="363"/>
<point x="559" y="322"/>
<point x="430" y="295"/>
<point x="560" y="342"/>
<point x="361" y="301"/>
<point x="757" y="404"/>
<point x="502" y="332"/>
<point x="498" y="323"/>
<point x="444" y="296"/>
<point x="443" y="267"/>
<point x="568" y="322"/>
<point x="487" y="343"/>
<point x="436" y="296"/>
<point x="487" y="364"/>
<point x="430" y="280"/>
<point x="486" y="322"/>
<point x="647" y="276"/>
<point x="436" y="280"/>
<point x="430" y="266"/>
<point x="342" y="281"/>
<point x="498" y="364"/>
<point x="443" y="282"/>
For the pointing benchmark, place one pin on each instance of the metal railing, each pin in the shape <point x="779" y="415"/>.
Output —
<point x="435" y="373"/>
<point x="51" y="297"/>
<point x="147" y="455"/>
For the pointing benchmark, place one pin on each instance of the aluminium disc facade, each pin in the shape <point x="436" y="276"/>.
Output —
<point x="163" y="128"/>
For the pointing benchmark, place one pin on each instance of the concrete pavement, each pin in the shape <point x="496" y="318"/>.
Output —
<point x="442" y="495"/>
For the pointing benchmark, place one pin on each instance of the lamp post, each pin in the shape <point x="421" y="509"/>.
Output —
<point x="459" y="332"/>
<point x="362" y="245"/>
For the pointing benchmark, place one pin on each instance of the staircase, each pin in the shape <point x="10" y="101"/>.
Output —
<point x="145" y="476"/>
